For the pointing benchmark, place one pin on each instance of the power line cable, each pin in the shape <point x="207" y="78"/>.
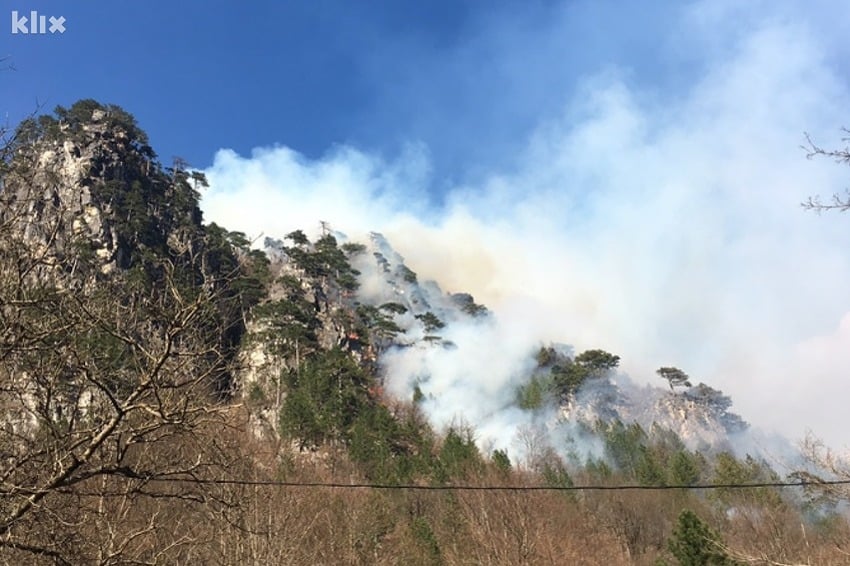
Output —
<point x="417" y="487"/>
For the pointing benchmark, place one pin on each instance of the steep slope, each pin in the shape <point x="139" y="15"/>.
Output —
<point x="400" y="328"/>
<point x="358" y="298"/>
<point x="86" y="203"/>
<point x="84" y="193"/>
<point x="135" y="341"/>
<point x="120" y="318"/>
<point x="85" y="182"/>
<point x="700" y="415"/>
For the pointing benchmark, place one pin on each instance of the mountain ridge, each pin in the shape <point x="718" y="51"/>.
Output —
<point x="148" y="357"/>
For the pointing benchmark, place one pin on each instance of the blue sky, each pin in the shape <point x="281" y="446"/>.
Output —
<point x="378" y="75"/>
<point x="609" y="174"/>
<point x="203" y="75"/>
<point x="470" y="80"/>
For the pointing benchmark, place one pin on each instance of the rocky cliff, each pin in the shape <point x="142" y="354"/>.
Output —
<point x="84" y="193"/>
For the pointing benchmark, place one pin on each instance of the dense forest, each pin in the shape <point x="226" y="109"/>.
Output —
<point x="172" y="395"/>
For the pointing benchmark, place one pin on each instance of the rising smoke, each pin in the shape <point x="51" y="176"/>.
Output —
<point x="664" y="227"/>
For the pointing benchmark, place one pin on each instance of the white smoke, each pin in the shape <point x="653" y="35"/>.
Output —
<point x="664" y="227"/>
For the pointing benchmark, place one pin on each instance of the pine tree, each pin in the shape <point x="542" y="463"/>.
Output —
<point x="694" y="544"/>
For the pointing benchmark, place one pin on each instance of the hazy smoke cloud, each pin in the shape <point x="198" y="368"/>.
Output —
<point x="662" y="226"/>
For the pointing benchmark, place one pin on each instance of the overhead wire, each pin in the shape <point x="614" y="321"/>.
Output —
<point x="456" y="487"/>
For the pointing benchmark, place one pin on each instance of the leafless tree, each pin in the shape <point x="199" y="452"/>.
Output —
<point x="838" y="202"/>
<point x="828" y="464"/>
<point x="110" y="396"/>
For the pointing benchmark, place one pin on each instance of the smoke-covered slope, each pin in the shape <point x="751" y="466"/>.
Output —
<point x="85" y="188"/>
<point x="467" y="366"/>
<point x="135" y="340"/>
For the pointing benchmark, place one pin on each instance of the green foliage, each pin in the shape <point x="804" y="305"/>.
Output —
<point x="390" y="448"/>
<point x="648" y="469"/>
<point x="228" y="257"/>
<point x="290" y="324"/>
<point x="378" y="321"/>
<point x="256" y="277"/>
<point x="674" y="376"/>
<point x="555" y="473"/>
<point x="394" y="308"/>
<point x="597" y="362"/>
<point x="468" y="305"/>
<point x="730" y="470"/>
<point x="153" y="213"/>
<point x="298" y="238"/>
<point x="71" y="123"/>
<point x="324" y="260"/>
<point x="149" y="208"/>
<point x="693" y="543"/>
<point x="474" y="309"/>
<point x="659" y="458"/>
<point x="219" y="256"/>
<point x="459" y="456"/>
<point x="289" y="327"/>
<point x="325" y="396"/>
<point x="418" y="396"/>
<point x="108" y="351"/>
<point x="684" y="468"/>
<point x="352" y="249"/>
<point x="407" y="274"/>
<point x="305" y="418"/>
<point x="291" y="287"/>
<point x="256" y="395"/>
<point x="501" y="461"/>
<point x="546" y="356"/>
<point x="569" y="376"/>
<point x="625" y="446"/>
<point x="33" y="130"/>
<point x="328" y="400"/>
<point x="333" y="260"/>
<point x="152" y="219"/>
<point x="430" y="322"/>
<point x="377" y="444"/>
<point x="597" y="468"/>
<point x="424" y="535"/>
<point x="533" y="395"/>
<point x="705" y="395"/>
<point x="348" y="279"/>
<point x="564" y="376"/>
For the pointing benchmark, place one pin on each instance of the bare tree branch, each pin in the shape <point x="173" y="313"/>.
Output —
<point x="838" y="202"/>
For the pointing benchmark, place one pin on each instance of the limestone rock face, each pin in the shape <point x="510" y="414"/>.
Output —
<point x="51" y="192"/>
<point x="85" y="208"/>
<point x="700" y="415"/>
<point x="85" y="189"/>
<point x="85" y="184"/>
<point x="387" y="312"/>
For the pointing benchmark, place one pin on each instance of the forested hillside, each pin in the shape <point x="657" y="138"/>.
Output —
<point x="173" y="394"/>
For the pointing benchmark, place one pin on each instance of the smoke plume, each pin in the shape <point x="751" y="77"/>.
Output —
<point x="661" y="225"/>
